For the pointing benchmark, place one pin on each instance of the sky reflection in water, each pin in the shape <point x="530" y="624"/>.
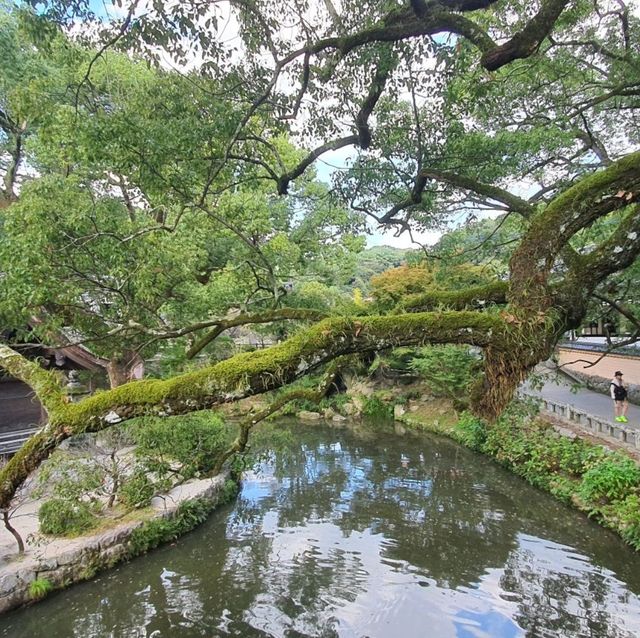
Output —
<point x="358" y="535"/>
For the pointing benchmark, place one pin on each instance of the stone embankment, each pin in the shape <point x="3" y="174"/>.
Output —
<point x="627" y="436"/>
<point x="56" y="563"/>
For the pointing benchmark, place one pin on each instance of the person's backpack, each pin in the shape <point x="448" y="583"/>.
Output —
<point x="619" y="392"/>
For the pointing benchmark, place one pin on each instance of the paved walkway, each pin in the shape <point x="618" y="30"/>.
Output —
<point x="558" y="388"/>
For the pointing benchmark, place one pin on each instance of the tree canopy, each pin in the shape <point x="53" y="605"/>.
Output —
<point x="449" y="109"/>
<point x="123" y="252"/>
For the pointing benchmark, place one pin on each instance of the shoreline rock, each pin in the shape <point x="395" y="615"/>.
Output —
<point x="65" y="561"/>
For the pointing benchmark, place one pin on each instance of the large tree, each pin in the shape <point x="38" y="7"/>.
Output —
<point x="525" y="108"/>
<point x="108" y="241"/>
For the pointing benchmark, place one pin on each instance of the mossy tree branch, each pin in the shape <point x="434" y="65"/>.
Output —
<point x="513" y="202"/>
<point x="246" y="374"/>
<point x="44" y="383"/>
<point x="256" y="372"/>
<point x="591" y="198"/>
<point x="616" y="253"/>
<point x="475" y="297"/>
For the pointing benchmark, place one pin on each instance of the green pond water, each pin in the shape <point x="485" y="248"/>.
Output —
<point x="365" y="535"/>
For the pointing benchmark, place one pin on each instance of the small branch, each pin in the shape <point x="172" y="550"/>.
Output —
<point x="620" y="344"/>
<point x="328" y="379"/>
<point x="513" y="202"/>
<point x="13" y="531"/>
<point x="119" y="34"/>
<point x="621" y="309"/>
<point x="243" y="319"/>
<point x="333" y="145"/>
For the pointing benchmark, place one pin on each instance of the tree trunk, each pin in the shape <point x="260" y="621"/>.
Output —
<point x="128" y="367"/>
<point x="13" y="531"/>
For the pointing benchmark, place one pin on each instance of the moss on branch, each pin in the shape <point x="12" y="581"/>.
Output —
<point x="247" y="374"/>
<point x="476" y="297"/>
<point x="255" y="372"/>
<point x="576" y="208"/>
<point x="44" y="383"/>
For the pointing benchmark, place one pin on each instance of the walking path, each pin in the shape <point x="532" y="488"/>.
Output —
<point x="558" y="389"/>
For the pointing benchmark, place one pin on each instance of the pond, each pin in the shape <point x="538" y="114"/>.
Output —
<point x="365" y="534"/>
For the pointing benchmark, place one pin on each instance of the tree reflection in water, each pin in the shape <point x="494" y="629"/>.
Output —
<point x="347" y="535"/>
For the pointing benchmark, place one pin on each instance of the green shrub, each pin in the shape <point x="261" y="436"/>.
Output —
<point x="161" y="530"/>
<point x="304" y="405"/>
<point x="39" y="588"/>
<point x="195" y="441"/>
<point x="506" y="443"/>
<point x="627" y="513"/>
<point x="610" y="479"/>
<point x="70" y="477"/>
<point x="471" y="431"/>
<point x="562" y="487"/>
<point x="374" y="407"/>
<point x="536" y="452"/>
<point x="336" y="401"/>
<point x="136" y="491"/>
<point x="602" y="484"/>
<point x="401" y="358"/>
<point x="229" y="492"/>
<point x="448" y="370"/>
<point x="65" y="518"/>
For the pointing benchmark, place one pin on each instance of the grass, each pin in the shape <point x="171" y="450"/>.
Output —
<point x="40" y="588"/>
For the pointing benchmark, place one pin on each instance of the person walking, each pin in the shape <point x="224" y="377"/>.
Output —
<point x="619" y="396"/>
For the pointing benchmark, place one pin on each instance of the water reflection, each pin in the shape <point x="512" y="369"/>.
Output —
<point x="378" y="536"/>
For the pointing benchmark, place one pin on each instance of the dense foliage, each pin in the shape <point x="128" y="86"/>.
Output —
<point x="603" y="484"/>
<point x="142" y="205"/>
<point x="110" y="242"/>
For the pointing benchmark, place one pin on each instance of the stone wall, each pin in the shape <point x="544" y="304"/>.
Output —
<point x="62" y="562"/>
<point x="626" y="436"/>
<point x="600" y="374"/>
<point x="602" y="385"/>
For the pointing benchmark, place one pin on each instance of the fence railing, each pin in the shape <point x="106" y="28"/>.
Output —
<point x="11" y="442"/>
<point x="628" y="351"/>
<point x="598" y="425"/>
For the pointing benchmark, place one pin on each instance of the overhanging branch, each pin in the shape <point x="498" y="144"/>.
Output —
<point x="244" y="375"/>
<point x="526" y="42"/>
<point x="513" y="202"/>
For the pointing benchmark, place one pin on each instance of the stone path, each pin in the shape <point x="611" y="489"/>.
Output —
<point x="558" y="388"/>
